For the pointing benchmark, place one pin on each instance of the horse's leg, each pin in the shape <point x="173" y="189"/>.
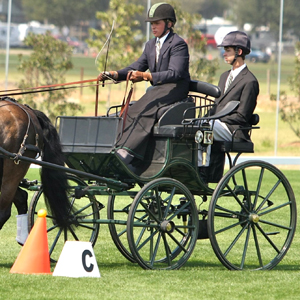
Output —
<point x="20" y="201"/>
<point x="12" y="175"/>
<point x="21" y="196"/>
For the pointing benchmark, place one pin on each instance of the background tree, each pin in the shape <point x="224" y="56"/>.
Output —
<point x="62" y="12"/>
<point x="126" y="43"/>
<point x="257" y="12"/>
<point x="46" y="65"/>
<point x="266" y="13"/>
<point x="207" y="8"/>
<point x="200" y="67"/>
<point x="290" y="108"/>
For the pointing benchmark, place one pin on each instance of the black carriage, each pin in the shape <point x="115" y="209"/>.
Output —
<point x="157" y="210"/>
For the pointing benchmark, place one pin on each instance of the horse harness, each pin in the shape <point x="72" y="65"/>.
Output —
<point x="24" y="146"/>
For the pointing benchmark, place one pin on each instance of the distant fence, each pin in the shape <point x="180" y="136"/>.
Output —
<point x="274" y="160"/>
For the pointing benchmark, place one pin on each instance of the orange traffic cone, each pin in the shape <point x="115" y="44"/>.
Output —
<point x="34" y="255"/>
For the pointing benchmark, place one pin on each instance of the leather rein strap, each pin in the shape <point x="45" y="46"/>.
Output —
<point x="126" y="101"/>
<point x="61" y="86"/>
<point x="44" y="88"/>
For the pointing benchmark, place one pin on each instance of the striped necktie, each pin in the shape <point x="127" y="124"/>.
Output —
<point x="157" y="49"/>
<point x="228" y="82"/>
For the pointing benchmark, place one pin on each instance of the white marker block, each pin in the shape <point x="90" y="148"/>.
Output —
<point x="77" y="259"/>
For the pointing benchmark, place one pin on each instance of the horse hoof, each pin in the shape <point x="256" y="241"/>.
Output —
<point x="20" y="244"/>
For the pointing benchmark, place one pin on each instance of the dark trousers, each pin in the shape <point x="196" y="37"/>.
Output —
<point x="141" y="116"/>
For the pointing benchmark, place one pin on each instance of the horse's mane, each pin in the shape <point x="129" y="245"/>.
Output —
<point x="6" y="98"/>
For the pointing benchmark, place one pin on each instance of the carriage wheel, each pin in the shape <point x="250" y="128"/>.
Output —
<point x="251" y="224"/>
<point x="85" y="208"/>
<point x="118" y="210"/>
<point x="162" y="225"/>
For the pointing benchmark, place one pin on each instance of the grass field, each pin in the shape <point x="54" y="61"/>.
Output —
<point x="202" y="277"/>
<point x="86" y="66"/>
<point x="264" y="139"/>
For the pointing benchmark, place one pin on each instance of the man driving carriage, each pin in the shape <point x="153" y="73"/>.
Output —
<point x="166" y="56"/>
<point x="236" y="84"/>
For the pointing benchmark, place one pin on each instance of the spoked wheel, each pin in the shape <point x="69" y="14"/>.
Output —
<point x="85" y="208"/>
<point x="251" y="224"/>
<point x="162" y="225"/>
<point x="118" y="210"/>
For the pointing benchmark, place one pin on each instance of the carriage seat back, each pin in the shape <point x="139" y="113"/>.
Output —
<point x="205" y="88"/>
<point x="173" y="114"/>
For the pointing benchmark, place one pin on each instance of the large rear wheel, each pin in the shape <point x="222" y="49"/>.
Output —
<point x="252" y="217"/>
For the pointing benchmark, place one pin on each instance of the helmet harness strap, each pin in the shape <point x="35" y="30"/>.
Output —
<point x="166" y="28"/>
<point x="236" y="55"/>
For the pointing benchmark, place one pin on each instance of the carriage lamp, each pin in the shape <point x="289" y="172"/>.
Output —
<point x="207" y="137"/>
<point x="204" y="137"/>
<point x="199" y="136"/>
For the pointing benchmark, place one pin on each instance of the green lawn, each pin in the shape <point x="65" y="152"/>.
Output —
<point x="202" y="277"/>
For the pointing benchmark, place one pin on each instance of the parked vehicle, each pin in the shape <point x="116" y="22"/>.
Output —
<point x="257" y="55"/>
<point x="210" y="41"/>
<point x="14" y="39"/>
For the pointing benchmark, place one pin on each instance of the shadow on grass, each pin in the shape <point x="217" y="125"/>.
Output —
<point x="283" y="267"/>
<point x="203" y="264"/>
<point x="187" y="265"/>
<point x="6" y="265"/>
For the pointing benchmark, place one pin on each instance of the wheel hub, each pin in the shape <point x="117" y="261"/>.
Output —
<point x="254" y="218"/>
<point x="167" y="226"/>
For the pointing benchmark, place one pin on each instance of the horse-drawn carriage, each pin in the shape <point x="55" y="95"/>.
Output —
<point x="157" y="210"/>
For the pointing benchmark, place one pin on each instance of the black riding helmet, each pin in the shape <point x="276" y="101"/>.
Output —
<point x="237" y="40"/>
<point x="161" y="11"/>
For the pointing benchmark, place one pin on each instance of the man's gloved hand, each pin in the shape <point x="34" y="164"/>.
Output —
<point x="108" y="75"/>
<point x="137" y="76"/>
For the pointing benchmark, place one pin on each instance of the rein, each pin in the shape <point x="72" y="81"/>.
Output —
<point x="46" y="88"/>
<point x="126" y="101"/>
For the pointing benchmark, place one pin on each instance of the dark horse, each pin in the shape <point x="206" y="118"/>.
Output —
<point x="28" y="132"/>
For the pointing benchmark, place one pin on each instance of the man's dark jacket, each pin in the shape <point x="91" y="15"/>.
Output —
<point x="245" y="89"/>
<point x="170" y="84"/>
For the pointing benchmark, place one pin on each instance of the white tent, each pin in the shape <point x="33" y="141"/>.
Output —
<point x="222" y="31"/>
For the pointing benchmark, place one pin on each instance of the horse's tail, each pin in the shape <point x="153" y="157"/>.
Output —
<point x="54" y="182"/>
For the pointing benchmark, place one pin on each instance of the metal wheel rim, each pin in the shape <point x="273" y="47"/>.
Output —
<point x="266" y="225"/>
<point x="115" y="232"/>
<point x="162" y="252"/>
